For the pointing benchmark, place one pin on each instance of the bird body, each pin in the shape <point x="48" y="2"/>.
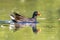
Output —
<point x="22" y="21"/>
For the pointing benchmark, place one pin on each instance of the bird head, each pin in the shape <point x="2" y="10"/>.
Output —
<point x="36" y="13"/>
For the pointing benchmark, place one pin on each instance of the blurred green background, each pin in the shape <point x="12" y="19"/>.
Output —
<point x="49" y="9"/>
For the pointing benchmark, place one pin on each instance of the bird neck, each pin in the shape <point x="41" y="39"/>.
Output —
<point x="33" y="16"/>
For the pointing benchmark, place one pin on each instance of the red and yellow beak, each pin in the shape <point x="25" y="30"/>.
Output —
<point x="39" y="14"/>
